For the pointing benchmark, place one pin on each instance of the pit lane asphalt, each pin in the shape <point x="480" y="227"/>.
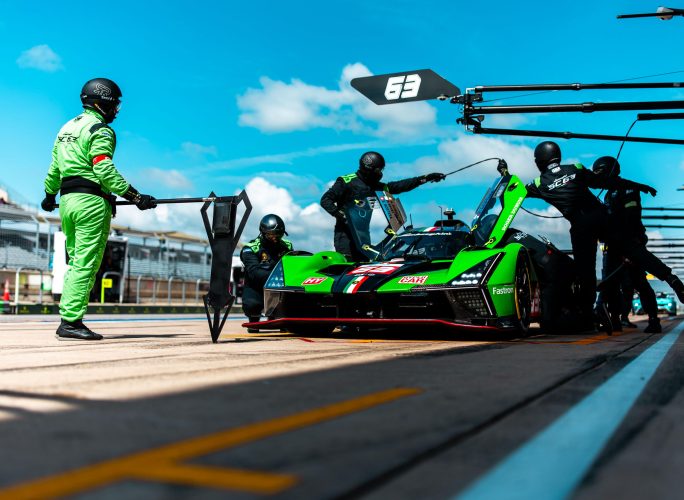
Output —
<point x="157" y="411"/>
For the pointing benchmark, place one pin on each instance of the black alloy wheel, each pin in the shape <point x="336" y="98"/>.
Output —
<point x="523" y="292"/>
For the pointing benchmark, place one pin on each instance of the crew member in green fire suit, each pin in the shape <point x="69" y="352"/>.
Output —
<point x="259" y="257"/>
<point x="83" y="174"/>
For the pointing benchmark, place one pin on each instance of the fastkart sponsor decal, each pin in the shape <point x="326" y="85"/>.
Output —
<point x="384" y="268"/>
<point x="430" y="229"/>
<point x="354" y="285"/>
<point x="502" y="290"/>
<point x="415" y="280"/>
<point x="313" y="281"/>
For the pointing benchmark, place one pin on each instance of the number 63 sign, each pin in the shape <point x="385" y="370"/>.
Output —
<point x="417" y="85"/>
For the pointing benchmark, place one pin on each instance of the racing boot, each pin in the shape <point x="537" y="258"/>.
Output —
<point x="626" y="323"/>
<point x="75" y="330"/>
<point x="653" y="326"/>
<point x="615" y="323"/>
<point x="602" y="319"/>
<point x="253" y="319"/>
<point x="677" y="286"/>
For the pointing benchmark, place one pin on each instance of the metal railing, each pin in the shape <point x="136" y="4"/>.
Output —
<point x="20" y="269"/>
<point x="137" y="288"/>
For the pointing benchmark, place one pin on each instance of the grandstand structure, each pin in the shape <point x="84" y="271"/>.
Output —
<point x="168" y="267"/>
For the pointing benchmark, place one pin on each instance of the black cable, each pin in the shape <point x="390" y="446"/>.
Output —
<point x="471" y="165"/>
<point x="542" y="216"/>
<point x="617" y="157"/>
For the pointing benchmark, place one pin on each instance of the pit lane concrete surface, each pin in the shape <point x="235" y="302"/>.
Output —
<point x="157" y="411"/>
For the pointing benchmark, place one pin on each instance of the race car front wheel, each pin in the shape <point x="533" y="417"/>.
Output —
<point x="523" y="293"/>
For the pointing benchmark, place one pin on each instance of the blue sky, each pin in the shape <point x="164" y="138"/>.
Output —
<point x="225" y="95"/>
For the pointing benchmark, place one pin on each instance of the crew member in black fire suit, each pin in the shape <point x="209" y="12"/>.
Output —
<point x="566" y="187"/>
<point x="624" y="209"/>
<point x="259" y="257"/>
<point x="359" y="186"/>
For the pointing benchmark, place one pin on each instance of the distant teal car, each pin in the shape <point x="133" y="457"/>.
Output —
<point x="666" y="303"/>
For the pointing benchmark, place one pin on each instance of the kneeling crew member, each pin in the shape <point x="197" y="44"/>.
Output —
<point x="359" y="186"/>
<point x="83" y="173"/>
<point x="259" y="257"/>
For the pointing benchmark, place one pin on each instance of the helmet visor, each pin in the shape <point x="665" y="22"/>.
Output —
<point x="274" y="235"/>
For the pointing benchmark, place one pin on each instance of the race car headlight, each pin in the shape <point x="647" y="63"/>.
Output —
<point x="276" y="278"/>
<point x="476" y="274"/>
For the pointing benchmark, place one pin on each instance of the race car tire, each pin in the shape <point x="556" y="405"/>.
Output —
<point x="523" y="293"/>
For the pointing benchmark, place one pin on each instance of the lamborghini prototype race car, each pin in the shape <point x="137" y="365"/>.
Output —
<point x="449" y="275"/>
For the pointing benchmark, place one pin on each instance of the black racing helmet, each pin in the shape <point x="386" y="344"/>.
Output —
<point x="371" y="161"/>
<point x="271" y="224"/>
<point x="102" y="95"/>
<point x="546" y="153"/>
<point x="606" y="166"/>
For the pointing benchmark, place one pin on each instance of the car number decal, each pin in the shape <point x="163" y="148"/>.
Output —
<point x="415" y="280"/>
<point x="376" y="269"/>
<point x="313" y="281"/>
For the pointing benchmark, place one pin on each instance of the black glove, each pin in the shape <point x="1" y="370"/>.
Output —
<point x="434" y="177"/>
<point x="341" y="216"/>
<point x="142" y="201"/>
<point x="49" y="202"/>
<point x="645" y="188"/>
<point x="502" y="167"/>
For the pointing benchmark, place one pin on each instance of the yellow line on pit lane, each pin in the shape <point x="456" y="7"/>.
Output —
<point x="164" y="464"/>
<point x="594" y="339"/>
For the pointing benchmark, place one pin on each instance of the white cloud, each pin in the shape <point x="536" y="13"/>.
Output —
<point x="40" y="57"/>
<point x="466" y="149"/>
<point x="169" y="178"/>
<point x="310" y="227"/>
<point x="198" y="150"/>
<point x="284" y="107"/>
<point x="287" y="158"/>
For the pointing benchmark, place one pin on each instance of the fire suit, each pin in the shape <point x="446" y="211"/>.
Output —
<point x="259" y="257"/>
<point x="624" y="209"/>
<point x="348" y="188"/>
<point x="83" y="172"/>
<point x="566" y="187"/>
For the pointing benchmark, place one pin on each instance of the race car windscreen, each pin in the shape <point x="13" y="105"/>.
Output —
<point x="488" y="212"/>
<point x="426" y="246"/>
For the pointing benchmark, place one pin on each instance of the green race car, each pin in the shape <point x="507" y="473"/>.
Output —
<point x="484" y="277"/>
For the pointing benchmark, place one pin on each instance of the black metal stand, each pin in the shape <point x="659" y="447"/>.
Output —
<point x="223" y="238"/>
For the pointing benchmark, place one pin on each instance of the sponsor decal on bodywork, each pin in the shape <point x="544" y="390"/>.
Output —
<point x="383" y="268"/>
<point x="509" y="219"/>
<point x="415" y="280"/>
<point x="502" y="290"/>
<point x="313" y="281"/>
